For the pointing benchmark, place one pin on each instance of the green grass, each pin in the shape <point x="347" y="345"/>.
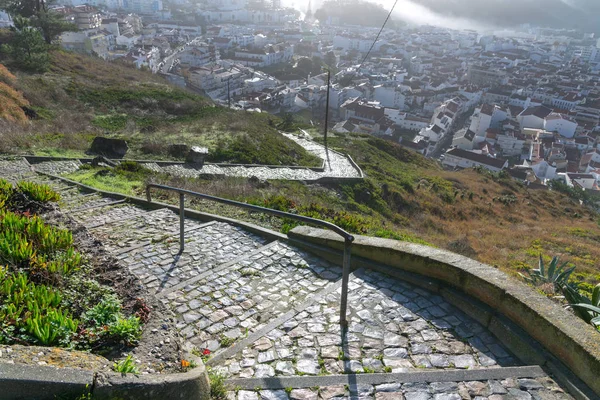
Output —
<point x="110" y="181"/>
<point x="127" y="178"/>
<point x="58" y="152"/>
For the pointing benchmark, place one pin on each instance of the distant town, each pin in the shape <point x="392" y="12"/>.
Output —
<point x="527" y="103"/>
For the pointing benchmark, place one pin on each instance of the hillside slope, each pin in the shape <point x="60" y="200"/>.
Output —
<point x="489" y="217"/>
<point x="485" y="216"/>
<point x="82" y="97"/>
<point x="11" y="100"/>
<point x="482" y="215"/>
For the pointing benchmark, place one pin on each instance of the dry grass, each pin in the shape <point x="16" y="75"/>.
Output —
<point x="11" y="100"/>
<point x="512" y="237"/>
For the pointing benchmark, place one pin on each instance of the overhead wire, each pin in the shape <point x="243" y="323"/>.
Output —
<point x="379" y="33"/>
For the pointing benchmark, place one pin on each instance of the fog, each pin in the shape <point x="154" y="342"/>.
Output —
<point x="490" y="14"/>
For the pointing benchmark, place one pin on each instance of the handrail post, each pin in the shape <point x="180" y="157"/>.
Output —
<point x="345" y="279"/>
<point x="148" y="194"/>
<point x="181" y="222"/>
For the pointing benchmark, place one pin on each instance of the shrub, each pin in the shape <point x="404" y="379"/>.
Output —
<point x="127" y="330"/>
<point x="556" y="275"/>
<point x="105" y="312"/>
<point x="33" y="311"/>
<point x="27" y="243"/>
<point x="279" y="202"/>
<point x="108" y="324"/>
<point x="586" y="308"/>
<point x="111" y="122"/>
<point x="38" y="192"/>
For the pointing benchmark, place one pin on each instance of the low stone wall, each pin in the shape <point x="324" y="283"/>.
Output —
<point x="85" y="160"/>
<point x="50" y="383"/>
<point x="505" y="301"/>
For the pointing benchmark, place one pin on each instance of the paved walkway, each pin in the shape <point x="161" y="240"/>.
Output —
<point x="268" y="314"/>
<point x="338" y="166"/>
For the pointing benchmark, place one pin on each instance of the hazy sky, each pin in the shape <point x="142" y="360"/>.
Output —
<point x="490" y="14"/>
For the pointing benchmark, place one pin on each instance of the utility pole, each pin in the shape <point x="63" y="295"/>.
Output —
<point x="327" y="117"/>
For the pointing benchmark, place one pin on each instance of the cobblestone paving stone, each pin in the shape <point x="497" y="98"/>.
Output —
<point x="247" y="172"/>
<point x="58" y="167"/>
<point x="506" y="389"/>
<point x="102" y="215"/>
<point x="146" y="228"/>
<point x="76" y="200"/>
<point x="242" y="299"/>
<point x="15" y="169"/>
<point x="393" y="327"/>
<point x="338" y="165"/>
<point x="161" y="266"/>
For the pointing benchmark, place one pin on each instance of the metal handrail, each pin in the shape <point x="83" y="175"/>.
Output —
<point x="348" y="238"/>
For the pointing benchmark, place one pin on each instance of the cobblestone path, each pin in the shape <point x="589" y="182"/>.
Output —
<point x="338" y="166"/>
<point x="268" y="313"/>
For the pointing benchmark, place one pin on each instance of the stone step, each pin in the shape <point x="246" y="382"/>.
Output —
<point x="489" y="384"/>
<point x="153" y="167"/>
<point x="58" y="167"/>
<point x="160" y="265"/>
<point x="95" y="217"/>
<point x="75" y="203"/>
<point x="15" y="169"/>
<point x="393" y="327"/>
<point x="146" y="228"/>
<point x="232" y="303"/>
<point x="66" y="190"/>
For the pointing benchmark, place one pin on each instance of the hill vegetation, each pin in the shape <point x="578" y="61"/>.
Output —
<point x="81" y="97"/>
<point x="357" y="12"/>
<point x="12" y="102"/>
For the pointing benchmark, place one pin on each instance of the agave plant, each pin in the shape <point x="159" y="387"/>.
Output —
<point x="554" y="274"/>
<point x="588" y="309"/>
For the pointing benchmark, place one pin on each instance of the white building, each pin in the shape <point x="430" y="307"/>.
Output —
<point x="5" y="20"/>
<point x="218" y="83"/>
<point x="533" y="117"/>
<point x="268" y="56"/>
<point x="355" y="42"/>
<point x="389" y="96"/>
<point x="560" y="123"/>
<point x="459" y="158"/>
<point x="198" y="54"/>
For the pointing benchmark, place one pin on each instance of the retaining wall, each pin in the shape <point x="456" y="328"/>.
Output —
<point x="503" y="302"/>
<point x="18" y="381"/>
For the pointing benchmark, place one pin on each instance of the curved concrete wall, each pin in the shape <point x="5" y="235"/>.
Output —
<point x="568" y="338"/>
<point x="19" y="381"/>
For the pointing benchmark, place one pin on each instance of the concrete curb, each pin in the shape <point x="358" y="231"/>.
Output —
<point x="39" y="382"/>
<point x="193" y="384"/>
<point x="18" y="381"/>
<point x="513" y="311"/>
<point x="295" y="382"/>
